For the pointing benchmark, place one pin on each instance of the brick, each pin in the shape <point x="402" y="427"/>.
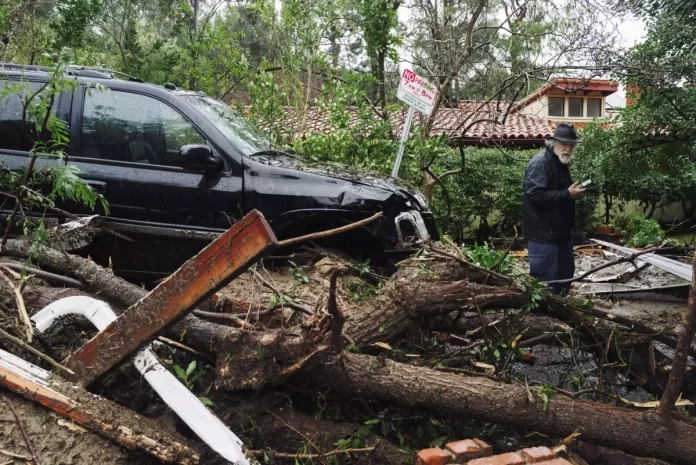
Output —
<point x="538" y="454"/>
<point x="485" y="447"/>
<point x="464" y="450"/>
<point x="435" y="456"/>
<point x="556" y="462"/>
<point x="511" y="458"/>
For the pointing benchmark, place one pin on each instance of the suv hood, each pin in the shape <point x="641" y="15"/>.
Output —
<point x="345" y="173"/>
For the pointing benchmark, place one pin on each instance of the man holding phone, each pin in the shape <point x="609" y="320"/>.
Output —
<point x="548" y="209"/>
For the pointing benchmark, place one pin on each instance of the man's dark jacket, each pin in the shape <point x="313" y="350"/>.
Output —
<point x="548" y="210"/>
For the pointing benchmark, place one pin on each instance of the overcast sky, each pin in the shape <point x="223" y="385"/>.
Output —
<point x="630" y="30"/>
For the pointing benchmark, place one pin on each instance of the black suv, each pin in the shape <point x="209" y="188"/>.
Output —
<point x="178" y="168"/>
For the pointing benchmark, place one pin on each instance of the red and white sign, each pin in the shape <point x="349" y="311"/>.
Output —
<point x="416" y="92"/>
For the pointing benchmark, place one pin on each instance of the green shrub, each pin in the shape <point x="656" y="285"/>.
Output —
<point x="488" y="258"/>
<point x="640" y="231"/>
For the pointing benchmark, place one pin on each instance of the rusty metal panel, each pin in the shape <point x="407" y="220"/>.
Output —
<point x="223" y="260"/>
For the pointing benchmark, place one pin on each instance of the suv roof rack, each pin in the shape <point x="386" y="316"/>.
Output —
<point x="75" y="70"/>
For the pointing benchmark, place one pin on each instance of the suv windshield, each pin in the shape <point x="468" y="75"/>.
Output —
<point x="240" y="132"/>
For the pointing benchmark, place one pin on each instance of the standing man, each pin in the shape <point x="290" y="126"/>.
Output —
<point x="549" y="209"/>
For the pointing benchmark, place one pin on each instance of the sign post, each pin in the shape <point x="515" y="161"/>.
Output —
<point x="418" y="94"/>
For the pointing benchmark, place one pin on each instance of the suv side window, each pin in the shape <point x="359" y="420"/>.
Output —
<point x="124" y="126"/>
<point x="13" y="134"/>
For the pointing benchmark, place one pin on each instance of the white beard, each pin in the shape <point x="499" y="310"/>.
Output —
<point x="565" y="159"/>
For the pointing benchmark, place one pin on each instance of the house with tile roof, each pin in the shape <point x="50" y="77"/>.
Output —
<point x="526" y="123"/>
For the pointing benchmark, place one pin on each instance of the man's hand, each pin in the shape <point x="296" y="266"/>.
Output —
<point x="575" y="191"/>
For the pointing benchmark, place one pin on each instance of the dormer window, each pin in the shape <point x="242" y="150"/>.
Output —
<point x="594" y="107"/>
<point x="575" y="107"/>
<point x="556" y="106"/>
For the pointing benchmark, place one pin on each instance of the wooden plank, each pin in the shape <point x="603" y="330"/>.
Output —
<point x="98" y="415"/>
<point x="221" y="261"/>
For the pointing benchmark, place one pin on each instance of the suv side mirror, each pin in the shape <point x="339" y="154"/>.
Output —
<point x="198" y="157"/>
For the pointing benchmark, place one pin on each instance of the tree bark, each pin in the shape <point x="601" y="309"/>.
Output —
<point x="635" y="432"/>
<point x="674" y="385"/>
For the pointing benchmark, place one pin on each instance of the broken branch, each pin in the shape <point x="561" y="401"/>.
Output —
<point x="39" y="354"/>
<point x="619" y="260"/>
<point x="35" y="458"/>
<point x="330" y="232"/>
<point x="24" y="316"/>
<point x="285" y="455"/>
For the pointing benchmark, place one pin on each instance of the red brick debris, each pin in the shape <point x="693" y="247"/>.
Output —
<point x="477" y="452"/>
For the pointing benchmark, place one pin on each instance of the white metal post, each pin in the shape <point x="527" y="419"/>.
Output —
<point x="402" y="142"/>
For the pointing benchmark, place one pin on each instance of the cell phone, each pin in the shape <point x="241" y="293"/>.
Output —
<point x="586" y="183"/>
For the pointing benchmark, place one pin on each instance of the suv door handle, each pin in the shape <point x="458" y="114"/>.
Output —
<point x="99" y="186"/>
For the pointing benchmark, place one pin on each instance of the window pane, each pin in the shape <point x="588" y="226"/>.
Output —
<point x="575" y="107"/>
<point x="131" y="127"/>
<point x="594" y="107"/>
<point x="13" y="134"/>
<point x="556" y="105"/>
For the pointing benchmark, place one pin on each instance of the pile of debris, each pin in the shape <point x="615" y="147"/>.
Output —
<point x="440" y="334"/>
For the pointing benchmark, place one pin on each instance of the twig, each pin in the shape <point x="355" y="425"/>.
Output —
<point x="75" y="217"/>
<point x="500" y="261"/>
<point x="14" y="456"/>
<point x="631" y="259"/>
<point x="184" y="347"/>
<point x="480" y="314"/>
<point x="24" y="316"/>
<point x="285" y="455"/>
<point x="44" y="274"/>
<point x="291" y="428"/>
<point x="537" y="339"/>
<point x="24" y="433"/>
<point x="575" y="395"/>
<point x="464" y="371"/>
<point x="330" y="232"/>
<point x="507" y="279"/>
<point x="227" y="317"/>
<point x="41" y="355"/>
<point x="451" y="243"/>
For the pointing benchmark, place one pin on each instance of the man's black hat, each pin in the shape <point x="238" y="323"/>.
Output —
<point x="566" y="133"/>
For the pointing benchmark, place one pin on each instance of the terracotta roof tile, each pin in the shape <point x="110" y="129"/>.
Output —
<point x="490" y="122"/>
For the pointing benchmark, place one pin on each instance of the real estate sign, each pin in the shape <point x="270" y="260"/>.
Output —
<point x="416" y="92"/>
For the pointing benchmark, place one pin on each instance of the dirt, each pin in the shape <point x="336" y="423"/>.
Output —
<point x="662" y="316"/>
<point x="56" y="441"/>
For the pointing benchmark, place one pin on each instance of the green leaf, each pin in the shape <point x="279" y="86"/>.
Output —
<point x="180" y="373"/>
<point x="191" y="368"/>
<point x="372" y="422"/>
<point x="207" y="402"/>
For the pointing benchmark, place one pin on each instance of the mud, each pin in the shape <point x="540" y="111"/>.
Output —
<point x="56" y="440"/>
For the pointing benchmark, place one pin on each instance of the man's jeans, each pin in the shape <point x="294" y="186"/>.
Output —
<point x="551" y="262"/>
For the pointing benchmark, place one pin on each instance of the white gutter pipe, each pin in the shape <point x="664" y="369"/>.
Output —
<point x="201" y="420"/>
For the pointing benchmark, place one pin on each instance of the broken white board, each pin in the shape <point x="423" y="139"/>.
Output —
<point x="675" y="267"/>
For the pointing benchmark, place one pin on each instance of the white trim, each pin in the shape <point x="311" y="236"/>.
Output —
<point x="566" y="108"/>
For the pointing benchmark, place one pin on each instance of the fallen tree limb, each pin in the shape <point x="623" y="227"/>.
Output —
<point x="100" y="416"/>
<point x="330" y="232"/>
<point x="44" y="274"/>
<point x="638" y="433"/>
<point x="631" y="259"/>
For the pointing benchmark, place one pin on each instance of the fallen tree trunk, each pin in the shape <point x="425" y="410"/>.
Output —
<point x="638" y="433"/>
<point x="251" y="359"/>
